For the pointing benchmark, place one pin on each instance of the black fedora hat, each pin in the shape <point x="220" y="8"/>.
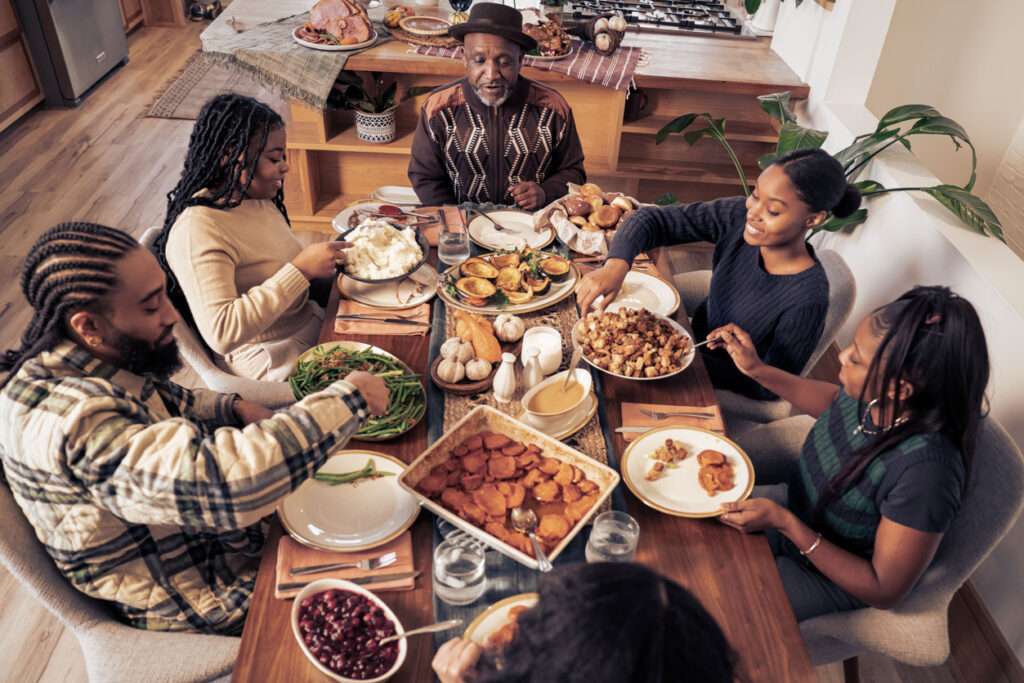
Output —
<point x="498" y="20"/>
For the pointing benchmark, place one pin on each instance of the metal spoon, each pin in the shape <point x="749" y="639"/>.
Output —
<point x="570" y="376"/>
<point x="432" y="628"/>
<point x="525" y="520"/>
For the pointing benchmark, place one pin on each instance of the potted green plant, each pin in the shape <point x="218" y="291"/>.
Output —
<point x="897" y="126"/>
<point x="374" y="106"/>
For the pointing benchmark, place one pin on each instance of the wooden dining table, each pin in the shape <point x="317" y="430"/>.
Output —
<point x="732" y="574"/>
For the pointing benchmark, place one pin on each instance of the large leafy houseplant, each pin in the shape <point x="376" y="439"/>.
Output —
<point x="896" y="127"/>
<point x="352" y="93"/>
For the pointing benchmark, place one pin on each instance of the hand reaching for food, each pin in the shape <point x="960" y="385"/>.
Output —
<point x="738" y="344"/>
<point x="375" y="392"/>
<point x="605" y="281"/>
<point x="455" y="660"/>
<point x="320" y="259"/>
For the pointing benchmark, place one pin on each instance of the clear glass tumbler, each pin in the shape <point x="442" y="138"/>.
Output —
<point x="459" y="572"/>
<point x="613" y="538"/>
<point x="453" y="247"/>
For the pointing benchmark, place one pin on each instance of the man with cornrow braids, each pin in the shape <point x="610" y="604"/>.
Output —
<point x="145" y="494"/>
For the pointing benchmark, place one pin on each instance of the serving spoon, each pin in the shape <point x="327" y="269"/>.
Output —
<point x="524" y="520"/>
<point x="570" y="375"/>
<point x="432" y="628"/>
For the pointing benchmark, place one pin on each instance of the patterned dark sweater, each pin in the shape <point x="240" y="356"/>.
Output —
<point x="464" y="150"/>
<point x="783" y="314"/>
<point x="917" y="484"/>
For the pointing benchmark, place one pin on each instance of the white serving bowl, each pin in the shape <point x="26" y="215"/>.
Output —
<point x="322" y="585"/>
<point x="546" y="420"/>
<point x="548" y="341"/>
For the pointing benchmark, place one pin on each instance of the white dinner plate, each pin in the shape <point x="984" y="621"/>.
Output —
<point x="396" y="194"/>
<point x="518" y="231"/>
<point x="494" y="617"/>
<point x="640" y="290"/>
<point x="395" y="295"/>
<point x="350" y="517"/>
<point x="333" y="48"/>
<point x="678" y="492"/>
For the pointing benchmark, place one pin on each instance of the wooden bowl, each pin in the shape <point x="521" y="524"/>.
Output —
<point x="466" y="387"/>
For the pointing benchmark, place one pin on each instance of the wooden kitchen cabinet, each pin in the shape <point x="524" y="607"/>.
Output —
<point x="19" y="87"/>
<point x="131" y="12"/>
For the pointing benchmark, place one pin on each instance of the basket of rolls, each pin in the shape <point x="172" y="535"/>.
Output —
<point x="587" y="217"/>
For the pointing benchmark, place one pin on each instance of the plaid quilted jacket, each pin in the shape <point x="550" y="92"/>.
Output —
<point x="146" y="494"/>
<point x="466" y="151"/>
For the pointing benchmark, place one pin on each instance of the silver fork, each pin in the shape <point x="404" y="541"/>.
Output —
<point x="366" y="565"/>
<point x="662" y="415"/>
<point x="379" y="316"/>
<point x="497" y="226"/>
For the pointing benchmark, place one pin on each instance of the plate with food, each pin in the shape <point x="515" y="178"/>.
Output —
<point x="640" y="290"/>
<point x="489" y="463"/>
<point x="496" y="626"/>
<point x="509" y="282"/>
<point x="516" y="231"/>
<point x="553" y="43"/>
<point x="351" y="216"/>
<point x="687" y="471"/>
<point x="420" y="25"/>
<point x="380" y="252"/>
<point x="353" y="502"/>
<point x="322" y="365"/>
<point x="634" y="343"/>
<point x="395" y="295"/>
<point x="336" y="26"/>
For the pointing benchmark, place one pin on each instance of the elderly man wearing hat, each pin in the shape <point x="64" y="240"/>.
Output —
<point x="494" y="136"/>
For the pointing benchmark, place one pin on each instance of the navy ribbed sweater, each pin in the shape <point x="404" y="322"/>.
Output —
<point x="784" y="314"/>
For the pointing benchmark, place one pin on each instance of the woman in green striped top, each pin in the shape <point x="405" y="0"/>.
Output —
<point x="882" y="471"/>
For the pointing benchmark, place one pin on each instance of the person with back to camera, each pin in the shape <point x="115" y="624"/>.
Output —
<point x="606" y="622"/>
<point x="765" y="276"/>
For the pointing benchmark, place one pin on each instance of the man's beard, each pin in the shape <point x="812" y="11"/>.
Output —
<point x="483" y="95"/>
<point x="143" y="358"/>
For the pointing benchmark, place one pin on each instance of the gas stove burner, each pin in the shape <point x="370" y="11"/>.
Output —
<point x="701" y="17"/>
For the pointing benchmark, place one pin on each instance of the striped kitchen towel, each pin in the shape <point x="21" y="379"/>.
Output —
<point x="585" y="63"/>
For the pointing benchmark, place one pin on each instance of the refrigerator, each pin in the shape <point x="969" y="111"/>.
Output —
<point x="73" y="43"/>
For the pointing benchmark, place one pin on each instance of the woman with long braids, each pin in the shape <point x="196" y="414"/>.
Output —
<point x="765" y="276"/>
<point x="883" y="469"/>
<point x="145" y="494"/>
<point x="238" y="275"/>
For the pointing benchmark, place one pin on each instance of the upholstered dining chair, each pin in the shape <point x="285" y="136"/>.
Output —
<point x="195" y="355"/>
<point x="693" y="288"/>
<point x="917" y="631"/>
<point x="114" y="652"/>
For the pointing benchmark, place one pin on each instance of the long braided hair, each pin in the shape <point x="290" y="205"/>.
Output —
<point x="934" y="340"/>
<point x="70" y="268"/>
<point x="227" y="141"/>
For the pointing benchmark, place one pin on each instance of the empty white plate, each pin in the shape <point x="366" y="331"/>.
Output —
<point x="396" y="194"/>
<point x="420" y="287"/>
<point x="640" y="290"/>
<point x="518" y="231"/>
<point x="350" y="517"/>
<point x="678" y="492"/>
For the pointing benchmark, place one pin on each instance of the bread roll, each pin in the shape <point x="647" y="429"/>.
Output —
<point x="577" y="206"/>
<point x="592" y="227"/>
<point x="591" y="190"/>
<point x="623" y="202"/>
<point x="596" y="202"/>
<point x="581" y="221"/>
<point x="607" y="216"/>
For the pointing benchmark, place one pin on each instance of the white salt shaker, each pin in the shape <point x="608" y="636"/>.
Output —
<point x="505" y="379"/>
<point x="533" y="374"/>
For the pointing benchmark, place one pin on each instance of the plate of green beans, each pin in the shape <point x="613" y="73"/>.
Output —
<point x="323" y="365"/>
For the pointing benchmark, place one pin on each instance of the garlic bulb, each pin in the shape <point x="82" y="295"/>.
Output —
<point x="477" y="369"/>
<point x="600" y="26"/>
<point x="451" y="371"/>
<point x="603" y="42"/>
<point x="617" y="23"/>
<point x="457" y="349"/>
<point x="509" y="328"/>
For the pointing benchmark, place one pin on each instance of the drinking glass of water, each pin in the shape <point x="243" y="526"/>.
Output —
<point x="453" y="247"/>
<point x="613" y="538"/>
<point x="459" y="572"/>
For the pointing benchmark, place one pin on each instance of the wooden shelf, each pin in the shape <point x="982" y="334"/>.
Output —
<point x="681" y="171"/>
<point x="744" y="131"/>
<point x="348" y="141"/>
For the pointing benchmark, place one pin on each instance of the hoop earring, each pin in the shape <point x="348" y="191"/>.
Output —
<point x="868" y="431"/>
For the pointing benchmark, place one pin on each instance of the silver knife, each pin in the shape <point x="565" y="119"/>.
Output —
<point x="361" y="580"/>
<point x="390" y="321"/>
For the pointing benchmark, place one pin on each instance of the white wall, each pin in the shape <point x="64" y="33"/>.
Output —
<point x="1006" y="193"/>
<point x="911" y="240"/>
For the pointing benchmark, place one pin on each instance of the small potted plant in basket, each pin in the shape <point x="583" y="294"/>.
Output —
<point x="374" y="105"/>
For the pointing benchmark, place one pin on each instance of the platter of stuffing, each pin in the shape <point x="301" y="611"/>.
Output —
<point x="380" y="252"/>
<point x="634" y="343"/>
<point x="687" y="471"/>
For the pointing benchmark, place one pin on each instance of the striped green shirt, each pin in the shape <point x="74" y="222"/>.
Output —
<point x="917" y="484"/>
<point x="148" y="495"/>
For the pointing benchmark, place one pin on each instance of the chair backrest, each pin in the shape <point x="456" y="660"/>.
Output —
<point x="27" y="560"/>
<point x="842" y="292"/>
<point x="195" y="354"/>
<point x="990" y="506"/>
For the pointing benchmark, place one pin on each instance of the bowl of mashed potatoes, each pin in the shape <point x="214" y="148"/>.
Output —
<point x="381" y="252"/>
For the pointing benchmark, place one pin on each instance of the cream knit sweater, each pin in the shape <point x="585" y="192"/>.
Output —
<point x="234" y="267"/>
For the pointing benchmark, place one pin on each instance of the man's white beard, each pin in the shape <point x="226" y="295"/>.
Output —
<point x="484" y="98"/>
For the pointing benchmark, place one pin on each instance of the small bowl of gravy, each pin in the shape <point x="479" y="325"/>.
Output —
<point x="550" y="402"/>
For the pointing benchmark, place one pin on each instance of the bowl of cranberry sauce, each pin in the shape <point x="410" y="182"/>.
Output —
<point x="339" y="626"/>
